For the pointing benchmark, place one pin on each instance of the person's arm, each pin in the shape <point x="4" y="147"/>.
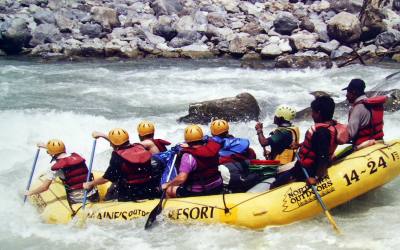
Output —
<point x="187" y="165"/>
<point x="261" y="138"/>
<point x="96" y="135"/>
<point x="44" y="187"/>
<point x="360" y="116"/>
<point x="178" y="180"/>
<point x="95" y="182"/>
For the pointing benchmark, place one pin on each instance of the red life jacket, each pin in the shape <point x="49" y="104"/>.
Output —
<point x="74" y="170"/>
<point x="161" y="144"/>
<point x="306" y="154"/>
<point x="374" y="130"/>
<point x="206" y="157"/>
<point x="136" y="166"/>
<point x="248" y="155"/>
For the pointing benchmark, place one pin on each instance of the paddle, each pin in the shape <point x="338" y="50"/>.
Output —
<point x="328" y="215"/>
<point x="32" y="171"/>
<point x="157" y="210"/>
<point x="83" y="212"/>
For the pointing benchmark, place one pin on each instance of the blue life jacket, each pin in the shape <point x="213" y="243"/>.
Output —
<point x="232" y="146"/>
<point x="167" y="158"/>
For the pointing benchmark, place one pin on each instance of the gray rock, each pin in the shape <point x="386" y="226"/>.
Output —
<point x="304" y="40"/>
<point x="306" y="24"/>
<point x="45" y="33"/>
<point x="252" y="28"/>
<point x="285" y="23"/>
<point x="328" y="47"/>
<point x="243" y="107"/>
<point x="107" y="17"/>
<point x="230" y="5"/>
<point x="344" y="27"/>
<point x="271" y="50"/>
<point x="166" y="7"/>
<point x="249" y="8"/>
<point x="341" y="51"/>
<point x="185" y="23"/>
<point x="166" y="31"/>
<point x="92" y="48"/>
<point x="14" y="35"/>
<point x="113" y="47"/>
<point x="184" y="38"/>
<point x="44" y="16"/>
<point x="91" y="30"/>
<point x="223" y="33"/>
<point x="196" y="51"/>
<point x="303" y="61"/>
<point x="64" y="23"/>
<point x="217" y="19"/>
<point x="388" y="39"/>
<point x="373" y="23"/>
<point x="154" y="39"/>
<point x="321" y="29"/>
<point x="240" y="45"/>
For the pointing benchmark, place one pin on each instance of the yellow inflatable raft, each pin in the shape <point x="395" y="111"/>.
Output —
<point x="356" y="174"/>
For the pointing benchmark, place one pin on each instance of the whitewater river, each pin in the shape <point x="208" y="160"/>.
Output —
<point x="39" y="101"/>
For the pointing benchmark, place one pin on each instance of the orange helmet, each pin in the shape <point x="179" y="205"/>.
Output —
<point x="145" y="128"/>
<point x="55" y="147"/>
<point x="219" y="127"/>
<point x="118" y="136"/>
<point x="193" y="133"/>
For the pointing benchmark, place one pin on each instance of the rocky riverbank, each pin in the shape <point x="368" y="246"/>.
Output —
<point x="311" y="34"/>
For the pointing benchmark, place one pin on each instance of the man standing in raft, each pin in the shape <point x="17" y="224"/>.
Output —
<point x="365" y="124"/>
<point x="72" y="170"/>
<point x="284" y="140"/>
<point x="146" y="135"/>
<point x="198" y="168"/>
<point x="316" y="151"/>
<point x="130" y="169"/>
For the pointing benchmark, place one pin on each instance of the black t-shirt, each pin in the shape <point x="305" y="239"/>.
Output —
<point x="113" y="172"/>
<point x="320" y="143"/>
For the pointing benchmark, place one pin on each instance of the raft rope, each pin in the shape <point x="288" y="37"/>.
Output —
<point x="226" y="209"/>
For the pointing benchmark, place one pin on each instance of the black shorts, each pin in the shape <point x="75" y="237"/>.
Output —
<point x="185" y="192"/>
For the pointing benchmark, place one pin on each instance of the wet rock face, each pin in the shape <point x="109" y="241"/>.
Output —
<point x="14" y="35"/>
<point x="243" y="107"/>
<point x="344" y="27"/>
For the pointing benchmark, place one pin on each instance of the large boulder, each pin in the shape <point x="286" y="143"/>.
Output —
<point x="240" y="45"/>
<point x="44" y="16"/>
<point x="45" y="33"/>
<point x="14" y="35"/>
<point x="91" y="30"/>
<point x="243" y="107"/>
<point x="285" y="23"/>
<point x="304" y="40"/>
<point x="344" y="27"/>
<point x="372" y="23"/>
<point x="388" y="39"/>
<point x="107" y="17"/>
<point x="165" y="30"/>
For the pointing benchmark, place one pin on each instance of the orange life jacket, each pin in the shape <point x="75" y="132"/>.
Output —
<point x="136" y="166"/>
<point x="374" y="130"/>
<point x="74" y="170"/>
<point x="306" y="154"/>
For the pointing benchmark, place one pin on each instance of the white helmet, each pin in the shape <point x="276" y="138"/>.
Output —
<point x="286" y="112"/>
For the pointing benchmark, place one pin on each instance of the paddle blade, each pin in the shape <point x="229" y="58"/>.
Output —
<point x="332" y="221"/>
<point x="153" y="215"/>
<point x="81" y="220"/>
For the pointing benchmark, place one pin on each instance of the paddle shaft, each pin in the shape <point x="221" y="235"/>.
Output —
<point x="329" y="216"/>
<point x="157" y="210"/>
<point x="89" y="174"/>
<point x="32" y="171"/>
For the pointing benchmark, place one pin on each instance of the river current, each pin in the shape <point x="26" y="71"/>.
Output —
<point x="40" y="101"/>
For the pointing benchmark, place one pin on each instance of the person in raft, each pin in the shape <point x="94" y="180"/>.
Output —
<point x="234" y="158"/>
<point x="365" y="122"/>
<point x="284" y="140"/>
<point x="146" y="130"/>
<point x="233" y="149"/>
<point x="319" y="144"/>
<point x="70" y="168"/>
<point x="129" y="169"/>
<point x="198" y="168"/>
